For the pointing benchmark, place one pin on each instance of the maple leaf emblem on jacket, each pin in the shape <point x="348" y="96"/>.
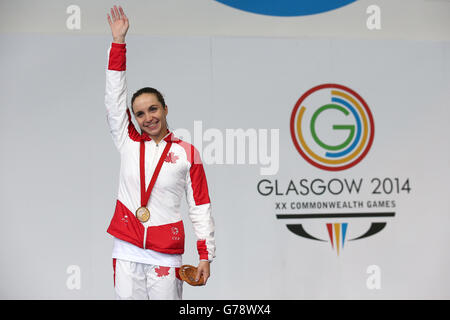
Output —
<point x="171" y="157"/>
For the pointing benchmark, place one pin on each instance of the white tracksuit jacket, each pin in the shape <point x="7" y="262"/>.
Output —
<point x="181" y="173"/>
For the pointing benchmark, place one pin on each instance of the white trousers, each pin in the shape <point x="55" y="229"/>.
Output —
<point x="139" y="281"/>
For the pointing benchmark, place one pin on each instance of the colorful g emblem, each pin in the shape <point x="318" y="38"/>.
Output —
<point x="332" y="127"/>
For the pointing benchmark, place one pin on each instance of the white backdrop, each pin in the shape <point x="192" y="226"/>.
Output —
<point x="221" y="70"/>
<point x="59" y="167"/>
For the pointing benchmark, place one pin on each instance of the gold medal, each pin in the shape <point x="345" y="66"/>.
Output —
<point x="143" y="214"/>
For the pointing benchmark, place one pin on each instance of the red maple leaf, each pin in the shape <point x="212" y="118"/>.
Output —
<point x="162" y="271"/>
<point x="171" y="157"/>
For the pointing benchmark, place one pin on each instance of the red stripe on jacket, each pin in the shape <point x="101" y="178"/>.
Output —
<point x="202" y="249"/>
<point x="197" y="174"/>
<point x="117" y="57"/>
<point x="167" y="238"/>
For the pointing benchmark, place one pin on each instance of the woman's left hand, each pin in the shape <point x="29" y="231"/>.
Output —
<point x="203" y="271"/>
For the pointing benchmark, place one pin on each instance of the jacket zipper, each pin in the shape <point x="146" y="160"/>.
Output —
<point x="145" y="236"/>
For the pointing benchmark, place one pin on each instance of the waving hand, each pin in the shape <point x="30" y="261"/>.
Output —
<point x="119" y="24"/>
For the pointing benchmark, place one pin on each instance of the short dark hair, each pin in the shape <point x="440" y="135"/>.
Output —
<point x="158" y="95"/>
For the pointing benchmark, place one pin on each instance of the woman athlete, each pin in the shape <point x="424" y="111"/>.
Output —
<point x="156" y="170"/>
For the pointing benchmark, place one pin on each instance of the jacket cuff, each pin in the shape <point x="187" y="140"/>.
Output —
<point x="202" y="250"/>
<point x="117" y="57"/>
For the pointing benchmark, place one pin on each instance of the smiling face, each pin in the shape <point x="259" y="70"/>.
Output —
<point x="151" y="115"/>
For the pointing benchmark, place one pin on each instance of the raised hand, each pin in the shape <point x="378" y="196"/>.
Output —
<point x="119" y="24"/>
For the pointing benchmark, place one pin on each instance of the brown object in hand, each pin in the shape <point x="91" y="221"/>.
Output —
<point x="188" y="273"/>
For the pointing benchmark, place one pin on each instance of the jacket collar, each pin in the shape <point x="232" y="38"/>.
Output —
<point x="169" y="137"/>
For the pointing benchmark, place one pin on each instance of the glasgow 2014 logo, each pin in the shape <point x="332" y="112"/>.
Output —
<point x="332" y="128"/>
<point x="332" y="146"/>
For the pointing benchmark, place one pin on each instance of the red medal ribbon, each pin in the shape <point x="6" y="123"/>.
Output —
<point x="145" y="196"/>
